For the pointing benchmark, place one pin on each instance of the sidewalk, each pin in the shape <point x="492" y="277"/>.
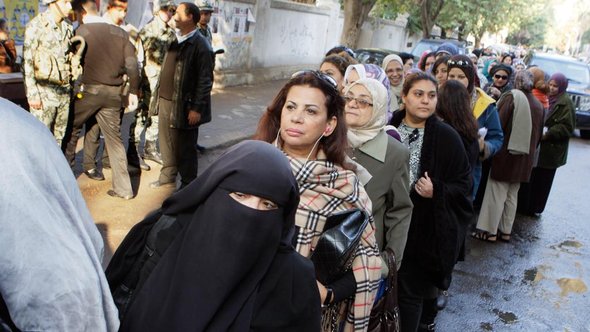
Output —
<point x="235" y="115"/>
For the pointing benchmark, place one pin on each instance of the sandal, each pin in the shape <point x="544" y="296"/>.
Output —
<point x="484" y="236"/>
<point x="504" y="237"/>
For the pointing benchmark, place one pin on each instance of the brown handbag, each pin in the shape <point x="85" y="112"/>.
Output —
<point x="385" y="315"/>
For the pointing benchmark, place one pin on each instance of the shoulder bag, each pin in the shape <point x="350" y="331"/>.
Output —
<point x="385" y="313"/>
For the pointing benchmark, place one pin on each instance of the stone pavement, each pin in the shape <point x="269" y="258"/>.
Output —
<point x="235" y="114"/>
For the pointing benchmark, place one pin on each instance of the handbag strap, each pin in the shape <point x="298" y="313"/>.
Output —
<point x="391" y="295"/>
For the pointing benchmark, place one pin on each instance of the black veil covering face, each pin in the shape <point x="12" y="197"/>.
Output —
<point x="232" y="267"/>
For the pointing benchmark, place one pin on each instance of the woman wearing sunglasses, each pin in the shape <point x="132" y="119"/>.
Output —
<point x="386" y="159"/>
<point x="306" y="121"/>
<point x="500" y="81"/>
<point x="484" y="110"/>
<point x="440" y="189"/>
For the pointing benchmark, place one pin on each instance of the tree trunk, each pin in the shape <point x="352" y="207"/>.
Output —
<point x="355" y="14"/>
<point x="429" y="10"/>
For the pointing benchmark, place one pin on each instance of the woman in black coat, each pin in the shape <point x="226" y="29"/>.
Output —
<point x="440" y="185"/>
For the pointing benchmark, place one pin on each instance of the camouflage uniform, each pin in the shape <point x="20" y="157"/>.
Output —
<point x="206" y="32"/>
<point x="156" y="37"/>
<point x="47" y="71"/>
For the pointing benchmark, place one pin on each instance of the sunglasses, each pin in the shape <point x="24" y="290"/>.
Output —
<point x="503" y="77"/>
<point x="361" y="102"/>
<point x="319" y="75"/>
<point x="459" y="63"/>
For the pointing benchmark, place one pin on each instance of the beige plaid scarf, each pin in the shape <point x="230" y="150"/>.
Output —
<point x="326" y="188"/>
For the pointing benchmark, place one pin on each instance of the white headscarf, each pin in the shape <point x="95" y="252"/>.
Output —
<point x="367" y="70"/>
<point x="358" y="136"/>
<point x="51" y="275"/>
<point x="396" y="91"/>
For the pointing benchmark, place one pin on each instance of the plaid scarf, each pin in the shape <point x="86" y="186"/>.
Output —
<point x="326" y="188"/>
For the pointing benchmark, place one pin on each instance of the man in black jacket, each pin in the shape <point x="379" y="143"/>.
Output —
<point x="183" y="98"/>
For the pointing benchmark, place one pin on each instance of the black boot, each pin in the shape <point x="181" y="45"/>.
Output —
<point x="150" y="152"/>
<point x="133" y="158"/>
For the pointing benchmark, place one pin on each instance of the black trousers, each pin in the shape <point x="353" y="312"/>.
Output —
<point x="540" y="186"/>
<point x="104" y="103"/>
<point x="178" y="148"/>
<point x="417" y="300"/>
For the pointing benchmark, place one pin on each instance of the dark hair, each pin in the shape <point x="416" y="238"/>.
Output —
<point x="335" y="145"/>
<point x="414" y="78"/>
<point x="340" y="62"/>
<point x="438" y="62"/>
<point x="191" y="9"/>
<point x="341" y="48"/>
<point x="2" y="23"/>
<point x="405" y="57"/>
<point x="422" y="64"/>
<point x="85" y="6"/>
<point x="454" y="107"/>
<point x="466" y="65"/>
<point x="117" y="3"/>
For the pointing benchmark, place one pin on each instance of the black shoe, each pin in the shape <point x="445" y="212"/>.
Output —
<point x="158" y="184"/>
<point x="113" y="193"/>
<point x="138" y="163"/>
<point x="94" y="174"/>
<point x="201" y="148"/>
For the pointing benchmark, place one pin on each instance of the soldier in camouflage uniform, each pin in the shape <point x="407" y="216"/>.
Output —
<point x="203" y="25"/>
<point x="47" y="68"/>
<point x="156" y="37"/>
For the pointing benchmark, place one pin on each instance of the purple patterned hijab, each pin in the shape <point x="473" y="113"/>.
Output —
<point x="562" y="84"/>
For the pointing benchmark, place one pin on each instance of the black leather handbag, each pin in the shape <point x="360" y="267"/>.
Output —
<point x="334" y="252"/>
<point x="385" y="313"/>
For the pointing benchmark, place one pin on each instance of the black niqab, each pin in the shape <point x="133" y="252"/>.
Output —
<point x="232" y="267"/>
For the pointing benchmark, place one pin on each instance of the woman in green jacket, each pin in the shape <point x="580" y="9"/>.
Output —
<point x="560" y="122"/>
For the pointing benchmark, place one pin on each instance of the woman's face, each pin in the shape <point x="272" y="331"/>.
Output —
<point x="429" y="62"/>
<point x="519" y="67"/>
<point x="420" y="102"/>
<point x="553" y="88"/>
<point x="253" y="201"/>
<point x="304" y="118"/>
<point x="500" y="78"/>
<point x="408" y="65"/>
<point x="353" y="76"/>
<point x="395" y="72"/>
<point x="441" y="73"/>
<point x="458" y="75"/>
<point x="507" y="61"/>
<point x="331" y="70"/>
<point x="359" y="106"/>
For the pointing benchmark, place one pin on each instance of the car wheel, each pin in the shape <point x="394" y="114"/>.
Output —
<point x="585" y="134"/>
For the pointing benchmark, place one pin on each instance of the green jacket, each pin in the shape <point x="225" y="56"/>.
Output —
<point x="387" y="160"/>
<point x="560" y="126"/>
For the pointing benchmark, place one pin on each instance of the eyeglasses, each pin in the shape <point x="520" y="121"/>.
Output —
<point x="318" y="74"/>
<point x="361" y="102"/>
<point x="503" y="77"/>
<point x="413" y="137"/>
<point x="459" y="63"/>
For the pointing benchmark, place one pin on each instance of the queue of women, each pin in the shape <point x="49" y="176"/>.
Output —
<point x="405" y="145"/>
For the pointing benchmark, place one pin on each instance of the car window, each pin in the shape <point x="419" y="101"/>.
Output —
<point x="577" y="72"/>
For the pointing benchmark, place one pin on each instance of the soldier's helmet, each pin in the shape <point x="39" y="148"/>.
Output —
<point x="166" y="3"/>
<point x="205" y="6"/>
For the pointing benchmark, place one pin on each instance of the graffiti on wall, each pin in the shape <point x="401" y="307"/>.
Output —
<point x="17" y="14"/>
<point x="232" y="24"/>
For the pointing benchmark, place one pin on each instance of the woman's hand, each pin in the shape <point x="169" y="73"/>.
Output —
<point x="424" y="186"/>
<point x="323" y="291"/>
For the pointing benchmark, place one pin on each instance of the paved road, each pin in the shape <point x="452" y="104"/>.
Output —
<point x="537" y="282"/>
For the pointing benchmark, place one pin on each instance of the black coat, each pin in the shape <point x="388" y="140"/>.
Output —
<point x="193" y="81"/>
<point x="439" y="224"/>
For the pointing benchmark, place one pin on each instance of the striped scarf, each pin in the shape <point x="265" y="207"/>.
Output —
<point x="326" y="188"/>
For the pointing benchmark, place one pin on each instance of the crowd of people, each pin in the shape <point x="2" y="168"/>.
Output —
<point x="411" y="146"/>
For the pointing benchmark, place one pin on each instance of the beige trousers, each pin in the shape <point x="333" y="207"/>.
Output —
<point x="498" y="208"/>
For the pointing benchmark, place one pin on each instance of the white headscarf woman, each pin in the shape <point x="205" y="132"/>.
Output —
<point x="51" y="276"/>
<point x="358" y="135"/>
<point x="394" y="68"/>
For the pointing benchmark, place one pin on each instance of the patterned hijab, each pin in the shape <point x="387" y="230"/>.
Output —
<point x="358" y="136"/>
<point x="326" y="188"/>
<point x="375" y="72"/>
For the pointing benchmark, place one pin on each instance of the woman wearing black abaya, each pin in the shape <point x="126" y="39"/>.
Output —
<point x="232" y="267"/>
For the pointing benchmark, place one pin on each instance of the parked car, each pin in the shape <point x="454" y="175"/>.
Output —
<point x="432" y="44"/>
<point x="372" y="55"/>
<point x="578" y="75"/>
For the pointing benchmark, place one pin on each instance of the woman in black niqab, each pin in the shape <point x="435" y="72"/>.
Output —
<point x="232" y="267"/>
